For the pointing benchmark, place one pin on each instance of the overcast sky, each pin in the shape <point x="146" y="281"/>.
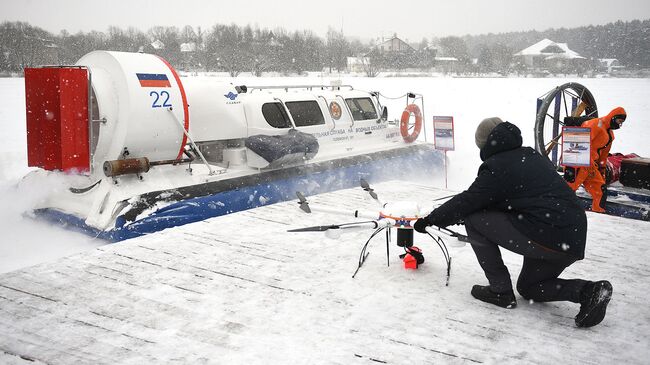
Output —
<point x="411" y="20"/>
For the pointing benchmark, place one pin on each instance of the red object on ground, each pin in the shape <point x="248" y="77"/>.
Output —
<point x="412" y="258"/>
<point x="57" y="118"/>
<point x="410" y="262"/>
<point x="614" y="165"/>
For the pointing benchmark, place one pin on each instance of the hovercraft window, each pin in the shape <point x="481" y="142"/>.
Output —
<point x="306" y="113"/>
<point x="362" y="108"/>
<point x="275" y="115"/>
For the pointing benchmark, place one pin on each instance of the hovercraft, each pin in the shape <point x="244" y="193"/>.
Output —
<point x="126" y="147"/>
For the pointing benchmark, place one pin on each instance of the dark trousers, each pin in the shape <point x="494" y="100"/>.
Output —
<point x="538" y="279"/>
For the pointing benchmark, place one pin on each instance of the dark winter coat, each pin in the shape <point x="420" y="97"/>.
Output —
<point x="519" y="181"/>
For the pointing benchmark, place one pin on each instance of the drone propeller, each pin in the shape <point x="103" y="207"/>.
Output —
<point x="315" y="228"/>
<point x="335" y="230"/>
<point x="304" y="205"/>
<point x="364" y="225"/>
<point x="371" y="191"/>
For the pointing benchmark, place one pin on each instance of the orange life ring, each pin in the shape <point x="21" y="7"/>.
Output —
<point x="404" y="123"/>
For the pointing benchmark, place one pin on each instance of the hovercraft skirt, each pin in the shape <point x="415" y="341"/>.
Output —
<point x="195" y="203"/>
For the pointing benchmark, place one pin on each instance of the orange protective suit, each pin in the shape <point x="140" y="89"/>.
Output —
<point x="593" y="177"/>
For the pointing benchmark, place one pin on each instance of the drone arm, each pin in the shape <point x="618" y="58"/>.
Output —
<point x="380" y="223"/>
<point x="359" y="226"/>
<point x="348" y="227"/>
<point x="344" y="212"/>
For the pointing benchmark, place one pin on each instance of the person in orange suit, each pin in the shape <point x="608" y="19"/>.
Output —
<point x="593" y="177"/>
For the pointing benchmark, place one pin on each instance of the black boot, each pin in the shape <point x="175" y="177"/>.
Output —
<point x="594" y="298"/>
<point x="504" y="300"/>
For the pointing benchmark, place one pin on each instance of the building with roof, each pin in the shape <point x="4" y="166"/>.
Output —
<point x="394" y="45"/>
<point x="609" y="65"/>
<point x="188" y="47"/>
<point x="547" y="54"/>
<point x="157" y="44"/>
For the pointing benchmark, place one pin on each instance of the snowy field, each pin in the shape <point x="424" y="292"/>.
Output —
<point x="386" y="314"/>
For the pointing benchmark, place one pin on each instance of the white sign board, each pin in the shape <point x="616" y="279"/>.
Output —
<point x="576" y="147"/>
<point x="443" y="133"/>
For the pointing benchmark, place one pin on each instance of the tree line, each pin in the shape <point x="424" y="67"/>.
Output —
<point x="230" y="48"/>
<point x="235" y="49"/>
<point x="629" y="42"/>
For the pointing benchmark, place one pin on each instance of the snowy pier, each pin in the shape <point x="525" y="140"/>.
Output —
<point x="240" y="289"/>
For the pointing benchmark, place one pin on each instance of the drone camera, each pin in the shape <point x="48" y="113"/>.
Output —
<point x="404" y="237"/>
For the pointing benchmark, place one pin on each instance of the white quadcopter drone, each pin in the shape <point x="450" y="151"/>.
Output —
<point x="399" y="215"/>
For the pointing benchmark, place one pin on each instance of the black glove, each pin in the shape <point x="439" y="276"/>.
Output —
<point x="609" y="174"/>
<point x="570" y="174"/>
<point x="421" y="225"/>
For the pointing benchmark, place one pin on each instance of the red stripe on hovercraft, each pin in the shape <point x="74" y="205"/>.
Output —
<point x="186" y="112"/>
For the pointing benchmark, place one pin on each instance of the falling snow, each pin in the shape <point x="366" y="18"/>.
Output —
<point x="268" y="297"/>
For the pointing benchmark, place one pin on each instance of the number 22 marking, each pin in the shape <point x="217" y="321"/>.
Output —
<point x="157" y="97"/>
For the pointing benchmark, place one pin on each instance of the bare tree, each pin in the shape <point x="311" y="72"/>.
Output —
<point x="370" y="68"/>
<point x="338" y="48"/>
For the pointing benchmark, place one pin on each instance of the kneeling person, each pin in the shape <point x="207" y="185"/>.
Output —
<point x="519" y="202"/>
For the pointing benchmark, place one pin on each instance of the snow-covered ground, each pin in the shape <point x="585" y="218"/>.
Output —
<point x="345" y="320"/>
<point x="205" y="293"/>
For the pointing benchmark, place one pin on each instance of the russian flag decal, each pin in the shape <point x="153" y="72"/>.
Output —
<point x="153" y="80"/>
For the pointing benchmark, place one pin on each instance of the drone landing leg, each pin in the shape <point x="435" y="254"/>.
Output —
<point x="363" y="255"/>
<point x="445" y="253"/>
<point x="388" y="247"/>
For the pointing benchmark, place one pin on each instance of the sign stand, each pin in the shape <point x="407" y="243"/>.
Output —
<point x="445" y="169"/>
<point x="443" y="137"/>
